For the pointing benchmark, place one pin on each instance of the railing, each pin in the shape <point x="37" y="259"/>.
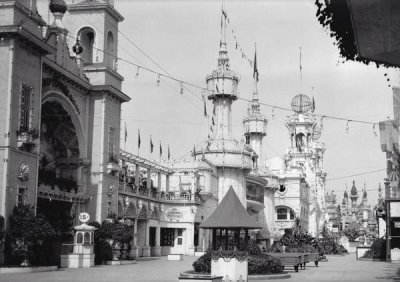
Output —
<point x="160" y="196"/>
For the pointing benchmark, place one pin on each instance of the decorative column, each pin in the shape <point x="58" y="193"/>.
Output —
<point x="159" y="182"/>
<point x="149" y="181"/>
<point x="166" y="183"/>
<point x="146" y="248"/>
<point x="157" y="249"/>
<point x="137" y="179"/>
<point x="134" y="248"/>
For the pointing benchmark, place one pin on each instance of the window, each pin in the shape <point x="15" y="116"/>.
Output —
<point x="282" y="188"/>
<point x="111" y="144"/>
<point x="25" y="107"/>
<point x="282" y="213"/>
<point x="285" y="213"/>
<point x="87" y="38"/>
<point x="21" y="196"/>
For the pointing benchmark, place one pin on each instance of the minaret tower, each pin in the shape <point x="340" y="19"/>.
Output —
<point x="354" y="195"/>
<point x="232" y="160"/>
<point x="255" y="124"/>
<point x="223" y="84"/>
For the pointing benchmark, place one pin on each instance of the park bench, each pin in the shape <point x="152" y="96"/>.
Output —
<point x="290" y="259"/>
<point x="314" y="257"/>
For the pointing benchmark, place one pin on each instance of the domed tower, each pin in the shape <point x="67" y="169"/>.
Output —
<point x="305" y="155"/>
<point x="353" y="195"/>
<point x="255" y="124"/>
<point x="232" y="159"/>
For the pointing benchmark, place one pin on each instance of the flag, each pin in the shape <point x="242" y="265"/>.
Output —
<point x="151" y="145"/>
<point x="255" y="70"/>
<point x="205" y="105"/>
<point x="313" y="105"/>
<point x="160" y="150"/>
<point x="126" y="133"/>
<point x="224" y="13"/>
<point x="138" y="140"/>
<point x="194" y="150"/>
<point x="169" y="154"/>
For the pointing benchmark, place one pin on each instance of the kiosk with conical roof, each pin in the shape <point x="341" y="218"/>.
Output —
<point x="230" y="221"/>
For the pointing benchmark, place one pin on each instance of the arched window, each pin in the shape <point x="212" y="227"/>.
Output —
<point x="284" y="213"/>
<point x="86" y="37"/>
<point x="79" y="238"/>
<point x="110" y="48"/>
<point x="87" y="238"/>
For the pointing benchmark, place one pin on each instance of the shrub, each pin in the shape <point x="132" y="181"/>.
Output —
<point x="264" y="264"/>
<point x="258" y="263"/>
<point x="26" y="235"/>
<point x="203" y="263"/>
<point x="378" y="249"/>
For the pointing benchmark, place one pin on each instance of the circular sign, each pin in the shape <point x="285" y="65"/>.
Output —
<point x="84" y="217"/>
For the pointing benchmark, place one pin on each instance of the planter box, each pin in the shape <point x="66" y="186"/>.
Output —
<point x="175" y="257"/>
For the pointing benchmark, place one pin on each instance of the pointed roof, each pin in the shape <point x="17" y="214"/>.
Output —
<point x="230" y="213"/>
<point x="353" y="191"/>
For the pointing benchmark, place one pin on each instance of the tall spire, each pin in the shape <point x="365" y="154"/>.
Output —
<point x="255" y="75"/>
<point x="223" y="59"/>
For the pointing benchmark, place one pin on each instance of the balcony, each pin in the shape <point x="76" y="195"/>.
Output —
<point x="153" y="194"/>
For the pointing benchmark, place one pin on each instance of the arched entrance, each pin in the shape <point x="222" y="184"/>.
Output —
<point x="61" y="177"/>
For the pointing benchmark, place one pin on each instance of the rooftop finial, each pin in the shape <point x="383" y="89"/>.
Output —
<point x="223" y="60"/>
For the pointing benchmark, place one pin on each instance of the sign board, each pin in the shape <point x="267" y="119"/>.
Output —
<point x="174" y="214"/>
<point x="84" y="217"/>
<point x="394" y="209"/>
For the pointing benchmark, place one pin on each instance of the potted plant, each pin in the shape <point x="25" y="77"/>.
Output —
<point x="25" y="136"/>
<point x="113" y="166"/>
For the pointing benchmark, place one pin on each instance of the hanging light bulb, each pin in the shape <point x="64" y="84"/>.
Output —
<point x="158" y="80"/>
<point x="373" y="128"/>
<point x="347" y="127"/>
<point x="137" y="72"/>
<point x="181" y="88"/>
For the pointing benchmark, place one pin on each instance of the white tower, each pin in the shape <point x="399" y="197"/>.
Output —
<point x="306" y="155"/>
<point x="255" y="124"/>
<point x="232" y="159"/>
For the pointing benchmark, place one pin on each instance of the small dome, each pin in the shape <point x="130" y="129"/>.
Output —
<point x="301" y="103"/>
<point x="353" y="191"/>
<point x="345" y="194"/>
<point x="58" y="6"/>
<point x="365" y="194"/>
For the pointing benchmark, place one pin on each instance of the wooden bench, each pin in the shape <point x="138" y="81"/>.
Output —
<point x="314" y="257"/>
<point x="289" y="259"/>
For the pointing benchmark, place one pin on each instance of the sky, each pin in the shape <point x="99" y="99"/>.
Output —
<point x="182" y="37"/>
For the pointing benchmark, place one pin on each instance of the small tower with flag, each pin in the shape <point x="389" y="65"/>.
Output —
<point x="255" y="124"/>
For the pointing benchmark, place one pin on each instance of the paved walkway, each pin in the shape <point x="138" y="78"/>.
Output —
<point x="344" y="268"/>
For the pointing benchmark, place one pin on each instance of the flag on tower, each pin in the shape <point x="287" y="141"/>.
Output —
<point x="255" y="71"/>
<point x="160" y="150"/>
<point x="151" y="145"/>
<point x="138" y="140"/>
<point x="313" y="105"/>
<point x="169" y="154"/>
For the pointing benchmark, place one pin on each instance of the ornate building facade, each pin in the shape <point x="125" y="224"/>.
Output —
<point x="301" y="174"/>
